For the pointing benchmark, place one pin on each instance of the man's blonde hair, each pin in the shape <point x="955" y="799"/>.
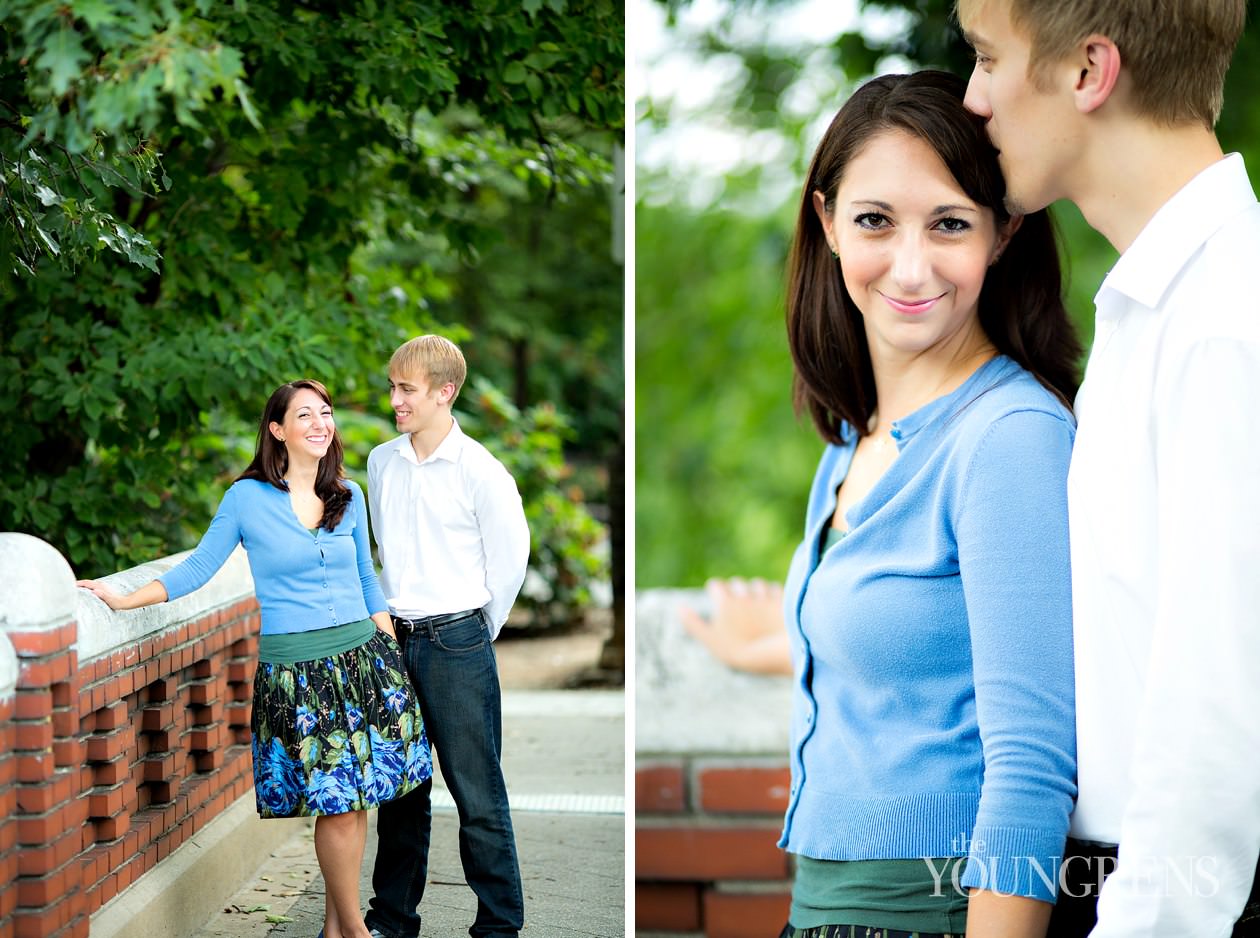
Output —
<point x="439" y="361"/>
<point x="1176" y="52"/>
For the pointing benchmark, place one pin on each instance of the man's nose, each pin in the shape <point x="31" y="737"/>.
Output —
<point x="977" y="98"/>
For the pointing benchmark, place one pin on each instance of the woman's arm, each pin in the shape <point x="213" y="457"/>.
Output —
<point x="992" y="915"/>
<point x="147" y="595"/>
<point x="1012" y="539"/>
<point x="385" y="624"/>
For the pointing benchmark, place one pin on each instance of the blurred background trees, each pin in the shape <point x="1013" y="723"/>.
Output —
<point x="201" y="200"/>
<point x="735" y="96"/>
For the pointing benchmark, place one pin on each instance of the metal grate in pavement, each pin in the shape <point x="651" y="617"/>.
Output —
<point x="559" y="804"/>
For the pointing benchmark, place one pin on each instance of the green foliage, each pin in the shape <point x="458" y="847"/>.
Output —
<point x="202" y="200"/>
<point x="722" y="465"/>
<point x="564" y="539"/>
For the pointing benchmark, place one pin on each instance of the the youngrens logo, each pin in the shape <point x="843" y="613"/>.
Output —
<point x="1074" y="875"/>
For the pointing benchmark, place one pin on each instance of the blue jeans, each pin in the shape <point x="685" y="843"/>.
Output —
<point x="456" y="677"/>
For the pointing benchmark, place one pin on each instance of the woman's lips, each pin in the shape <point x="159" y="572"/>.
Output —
<point x="911" y="307"/>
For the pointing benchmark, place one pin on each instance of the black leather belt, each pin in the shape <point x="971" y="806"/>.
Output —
<point x="407" y="626"/>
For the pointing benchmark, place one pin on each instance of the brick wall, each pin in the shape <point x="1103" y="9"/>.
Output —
<point x="711" y="785"/>
<point x="126" y="732"/>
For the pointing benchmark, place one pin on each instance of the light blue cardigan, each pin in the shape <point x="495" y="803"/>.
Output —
<point x="933" y="693"/>
<point x="303" y="581"/>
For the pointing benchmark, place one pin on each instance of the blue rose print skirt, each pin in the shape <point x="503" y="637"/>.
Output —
<point x="337" y="734"/>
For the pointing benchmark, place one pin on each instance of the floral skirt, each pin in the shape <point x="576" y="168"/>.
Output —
<point x="337" y="734"/>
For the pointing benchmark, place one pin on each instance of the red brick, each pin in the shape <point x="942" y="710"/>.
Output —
<point x="708" y="853"/>
<point x="106" y="746"/>
<point x="745" y="915"/>
<point x="111" y="828"/>
<point x="111" y="717"/>
<point x="32" y="703"/>
<point x="659" y="788"/>
<point x="34" y="735"/>
<point x="162" y="689"/>
<point x="44" y="922"/>
<point x="34" y="767"/>
<point x="205" y="739"/>
<point x="38" y="829"/>
<point x="157" y="716"/>
<point x="37" y="799"/>
<point x="745" y="789"/>
<point x="36" y="891"/>
<point x="107" y="889"/>
<point x="37" y="859"/>
<point x="109" y="773"/>
<point x="44" y="643"/>
<point x="43" y="672"/>
<point x="65" y="722"/>
<point x="667" y="907"/>
<point x="106" y="802"/>
<point x="209" y="761"/>
<point x="64" y="694"/>
<point x="205" y="716"/>
<point x="159" y="768"/>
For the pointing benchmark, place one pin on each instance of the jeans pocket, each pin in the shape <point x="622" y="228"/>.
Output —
<point x="463" y="636"/>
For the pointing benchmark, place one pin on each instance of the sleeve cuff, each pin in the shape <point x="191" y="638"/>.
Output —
<point x="1013" y="861"/>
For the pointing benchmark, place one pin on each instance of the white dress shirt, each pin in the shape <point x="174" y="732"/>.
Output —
<point x="1164" y="505"/>
<point x="450" y="530"/>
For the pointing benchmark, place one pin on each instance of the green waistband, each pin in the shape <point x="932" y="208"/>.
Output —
<point x="898" y="894"/>
<point x="292" y="647"/>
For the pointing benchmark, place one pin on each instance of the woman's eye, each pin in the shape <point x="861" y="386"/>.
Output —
<point x="953" y="224"/>
<point x="872" y="221"/>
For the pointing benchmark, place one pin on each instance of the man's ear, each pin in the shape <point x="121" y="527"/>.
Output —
<point x="446" y="392"/>
<point x="1099" y="71"/>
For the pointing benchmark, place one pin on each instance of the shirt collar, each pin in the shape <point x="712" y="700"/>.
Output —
<point x="1176" y="232"/>
<point x="449" y="449"/>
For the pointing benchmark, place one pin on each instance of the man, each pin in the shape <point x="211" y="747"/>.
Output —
<point x="1111" y="104"/>
<point x="453" y="544"/>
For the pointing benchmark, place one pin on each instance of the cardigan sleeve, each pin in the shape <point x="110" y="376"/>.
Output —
<point x="373" y="598"/>
<point x="1013" y="560"/>
<point x="216" y="545"/>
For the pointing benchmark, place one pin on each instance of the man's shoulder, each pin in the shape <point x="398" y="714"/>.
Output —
<point x="475" y="456"/>
<point x="1217" y="296"/>
<point x="385" y="450"/>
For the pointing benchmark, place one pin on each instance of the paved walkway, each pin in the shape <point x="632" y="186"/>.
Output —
<point x="564" y="758"/>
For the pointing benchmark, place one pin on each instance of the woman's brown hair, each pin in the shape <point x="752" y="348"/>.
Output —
<point x="271" y="459"/>
<point x="1021" y="304"/>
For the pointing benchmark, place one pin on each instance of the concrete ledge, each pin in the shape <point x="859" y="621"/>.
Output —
<point x="37" y="591"/>
<point x="101" y="630"/>
<point x="179" y="895"/>
<point x="8" y="668"/>
<point x="686" y="701"/>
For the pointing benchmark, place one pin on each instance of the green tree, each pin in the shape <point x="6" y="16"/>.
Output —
<point x="203" y="199"/>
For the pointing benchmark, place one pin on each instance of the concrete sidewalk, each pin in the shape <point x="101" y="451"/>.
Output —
<point x="564" y="759"/>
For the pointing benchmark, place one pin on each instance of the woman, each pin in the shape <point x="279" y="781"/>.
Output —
<point x="336" y="726"/>
<point x="928" y="608"/>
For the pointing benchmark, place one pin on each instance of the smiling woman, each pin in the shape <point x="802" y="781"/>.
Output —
<point x="933" y="351"/>
<point x="336" y="724"/>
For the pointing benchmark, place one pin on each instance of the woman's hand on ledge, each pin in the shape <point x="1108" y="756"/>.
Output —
<point x="746" y="629"/>
<point x="147" y="595"/>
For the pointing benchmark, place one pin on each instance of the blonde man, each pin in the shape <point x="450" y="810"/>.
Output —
<point x="1111" y="104"/>
<point x="453" y="545"/>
